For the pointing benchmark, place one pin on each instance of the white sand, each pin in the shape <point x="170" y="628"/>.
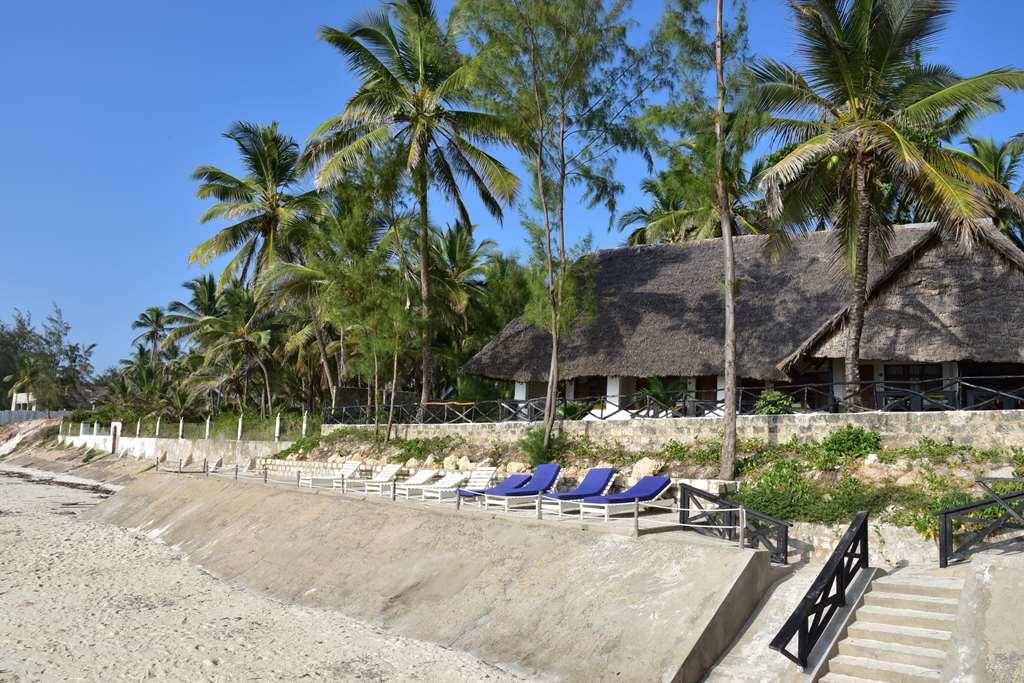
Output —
<point x="87" y="601"/>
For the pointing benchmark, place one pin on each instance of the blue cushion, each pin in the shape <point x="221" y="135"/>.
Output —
<point x="543" y="479"/>
<point x="647" y="488"/>
<point x="513" y="481"/>
<point x="593" y="484"/>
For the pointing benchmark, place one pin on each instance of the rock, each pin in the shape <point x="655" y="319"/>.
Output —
<point x="870" y="459"/>
<point x="431" y="461"/>
<point x="1004" y="471"/>
<point x="412" y="464"/>
<point x="645" y="467"/>
<point x="909" y="478"/>
<point x="516" y="467"/>
<point x="486" y="462"/>
<point x="335" y="458"/>
<point x="465" y="464"/>
<point x="450" y="463"/>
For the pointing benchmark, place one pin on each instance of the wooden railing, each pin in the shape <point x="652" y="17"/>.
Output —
<point x="716" y="516"/>
<point x="826" y="595"/>
<point x="1001" y="513"/>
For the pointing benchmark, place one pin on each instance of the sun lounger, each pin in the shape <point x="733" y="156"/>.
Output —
<point x="646" y="490"/>
<point x="512" y="481"/>
<point x="349" y="470"/>
<point x="386" y="475"/>
<point x="451" y="480"/>
<point x="524" y="495"/>
<point x="596" y="482"/>
<point x="480" y="478"/>
<point x="420" y="478"/>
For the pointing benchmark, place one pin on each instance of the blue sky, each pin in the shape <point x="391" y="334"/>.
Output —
<point x="109" y="105"/>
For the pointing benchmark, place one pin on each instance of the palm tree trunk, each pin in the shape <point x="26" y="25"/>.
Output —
<point x="425" y="359"/>
<point x="376" y="396"/>
<point x="394" y="385"/>
<point x="266" y="384"/>
<point x="728" y="465"/>
<point x="860" y="285"/>
<point x="323" y="360"/>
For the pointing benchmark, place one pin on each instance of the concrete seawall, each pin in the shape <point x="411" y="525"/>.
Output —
<point x="980" y="428"/>
<point x="544" y="598"/>
<point x="228" y="453"/>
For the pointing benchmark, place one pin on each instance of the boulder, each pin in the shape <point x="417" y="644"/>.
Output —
<point x="430" y="462"/>
<point x="412" y="464"/>
<point x="450" y="463"/>
<point x="516" y="467"/>
<point x="1005" y="471"/>
<point x="465" y="464"/>
<point x="645" y="467"/>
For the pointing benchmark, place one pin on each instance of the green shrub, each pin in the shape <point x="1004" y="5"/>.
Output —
<point x="299" y="447"/>
<point x="849" y="441"/>
<point x="532" y="445"/>
<point x="673" y="450"/>
<point x="773" y="403"/>
<point x="421" y="449"/>
<point x="780" y="491"/>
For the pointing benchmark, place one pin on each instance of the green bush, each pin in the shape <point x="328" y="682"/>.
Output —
<point x="849" y="441"/>
<point x="532" y="445"/>
<point x="780" y="491"/>
<point x="421" y="449"/>
<point x="773" y="403"/>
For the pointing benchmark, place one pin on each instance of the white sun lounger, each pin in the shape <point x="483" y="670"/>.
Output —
<point x="420" y="478"/>
<point x="406" y="489"/>
<point x="606" y="509"/>
<point x="386" y="475"/>
<point x="348" y="470"/>
<point x="479" y="479"/>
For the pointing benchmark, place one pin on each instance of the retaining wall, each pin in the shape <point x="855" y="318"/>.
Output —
<point x="242" y="453"/>
<point x="980" y="428"/>
<point x="542" y="597"/>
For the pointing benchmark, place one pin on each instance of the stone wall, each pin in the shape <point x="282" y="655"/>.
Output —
<point x="983" y="429"/>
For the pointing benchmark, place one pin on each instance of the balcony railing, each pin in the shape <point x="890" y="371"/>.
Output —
<point x="1002" y="392"/>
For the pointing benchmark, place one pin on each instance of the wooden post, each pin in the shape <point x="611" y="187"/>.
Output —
<point x="207" y="435"/>
<point x="458" y="499"/>
<point x="305" y="415"/>
<point x="264" y="474"/>
<point x="236" y="471"/>
<point x="239" y="428"/>
<point x="205" y="471"/>
<point x="394" y="493"/>
<point x="636" y="517"/>
<point x="540" y="515"/>
<point x="181" y="428"/>
<point x="298" y="479"/>
<point x="277" y="428"/>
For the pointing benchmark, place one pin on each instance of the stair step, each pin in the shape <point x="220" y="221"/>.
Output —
<point x="875" y="670"/>
<point x="907" y="635"/>
<point x="920" y="585"/>
<point x="843" y="678"/>
<point x="923" y="603"/>
<point x="905" y="617"/>
<point x="926" y="657"/>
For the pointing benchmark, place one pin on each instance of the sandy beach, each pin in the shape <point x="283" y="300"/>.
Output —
<point x="88" y="601"/>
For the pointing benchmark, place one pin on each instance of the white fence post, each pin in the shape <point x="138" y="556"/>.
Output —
<point x="305" y="414"/>
<point x="158" y="425"/>
<point x="277" y="428"/>
<point x="81" y="429"/>
<point x="181" y="428"/>
<point x="95" y="428"/>
<point x="239" y="428"/>
<point x="138" y="426"/>
<point x="207" y="427"/>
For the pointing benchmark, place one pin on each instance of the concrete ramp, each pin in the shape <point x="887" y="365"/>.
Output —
<point x="542" y="598"/>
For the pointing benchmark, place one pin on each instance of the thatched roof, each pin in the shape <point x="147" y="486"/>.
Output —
<point x="659" y="311"/>
<point x="938" y="301"/>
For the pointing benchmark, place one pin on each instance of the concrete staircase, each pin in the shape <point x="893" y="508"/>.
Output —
<point x="902" y="632"/>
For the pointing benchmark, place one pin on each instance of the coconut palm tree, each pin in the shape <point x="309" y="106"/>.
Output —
<point x="412" y="102"/>
<point x="1003" y="162"/>
<point x="265" y="202"/>
<point x="183" y="317"/>
<point x="864" y="115"/>
<point x="29" y="373"/>
<point x="153" y="323"/>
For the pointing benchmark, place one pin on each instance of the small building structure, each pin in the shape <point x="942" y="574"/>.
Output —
<point x="23" y="401"/>
<point x="937" y="312"/>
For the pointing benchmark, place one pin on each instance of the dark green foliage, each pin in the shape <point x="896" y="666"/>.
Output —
<point x="532" y="445"/>
<point x="848" y="442"/>
<point x="422" y="448"/>
<point x="773" y="403"/>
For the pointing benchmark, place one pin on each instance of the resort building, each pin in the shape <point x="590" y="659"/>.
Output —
<point x="944" y="327"/>
<point x="23" y="401"/>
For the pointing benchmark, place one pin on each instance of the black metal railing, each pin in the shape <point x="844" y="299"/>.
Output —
<point x="1001" y="513"/>
<point x="1002" y="392"/>
<point x="826" y="595"/>
<point x="698" y="507"/>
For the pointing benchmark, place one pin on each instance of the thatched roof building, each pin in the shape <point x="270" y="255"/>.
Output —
<point x="659" y="310"/>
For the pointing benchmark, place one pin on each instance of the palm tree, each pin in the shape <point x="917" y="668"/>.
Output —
<point x="265" y="202"/>
<point x="411" y="101"/>
<point x="30" y="371"/>
<point x="183" y="318"/>
<point x="153" y="323"/>
<point x="865" y="115"/>
<point x="1002" y="162"/>
<point x="460" y="267"/>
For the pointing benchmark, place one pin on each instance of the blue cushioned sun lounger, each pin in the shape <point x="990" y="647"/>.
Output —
<point x="543" y="480"/>
<point x="594" y="483"/>
<point x="513" y="481"/>
<point x="646" y="490"/>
